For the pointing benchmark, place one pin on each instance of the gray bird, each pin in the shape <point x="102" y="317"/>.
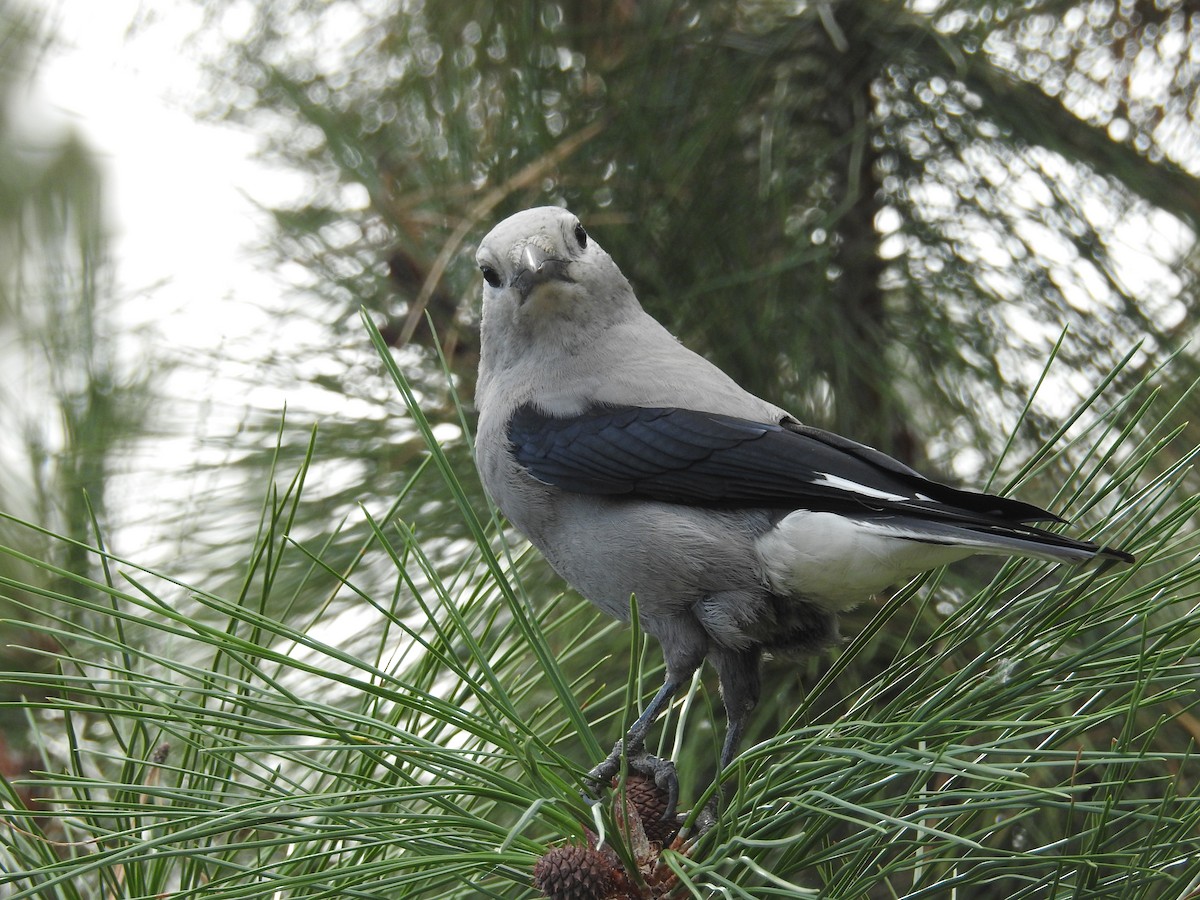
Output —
<point x="639" y="468"/>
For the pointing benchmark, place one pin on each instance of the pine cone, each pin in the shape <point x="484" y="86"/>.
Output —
<point x="650" y="801"/>
<point x="575" y="873"/>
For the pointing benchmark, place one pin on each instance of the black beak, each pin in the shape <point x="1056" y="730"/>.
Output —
<point x="536" y="267"/>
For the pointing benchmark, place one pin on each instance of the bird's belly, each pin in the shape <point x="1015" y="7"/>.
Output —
<point x="838" y="562"/>
<point x="669" y="556"/>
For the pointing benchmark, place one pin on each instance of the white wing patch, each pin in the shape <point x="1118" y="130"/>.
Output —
<point x="845" y="484"/>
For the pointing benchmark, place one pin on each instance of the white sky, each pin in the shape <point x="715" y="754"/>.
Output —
<point x="182" y="223"/>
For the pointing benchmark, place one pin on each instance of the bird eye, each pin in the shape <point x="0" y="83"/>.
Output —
<point x="490" y="275"/>
<point x="580" y="235"/>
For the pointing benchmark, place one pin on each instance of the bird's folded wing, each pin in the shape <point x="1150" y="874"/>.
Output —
<point x="706" y="459"/>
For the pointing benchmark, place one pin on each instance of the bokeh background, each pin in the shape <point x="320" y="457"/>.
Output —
<point x="936" y="226"/>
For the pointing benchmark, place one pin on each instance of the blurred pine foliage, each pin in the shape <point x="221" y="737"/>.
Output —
<point x="961" y="231"/>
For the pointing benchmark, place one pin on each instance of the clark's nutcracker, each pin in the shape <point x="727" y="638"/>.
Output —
<point x="639" y="468"/>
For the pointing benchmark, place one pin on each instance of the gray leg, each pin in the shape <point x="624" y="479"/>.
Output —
<point x="741" y="685"/>
<point x="740" y="674"/>
<point x="684" y="644"/>
<point x="633" y="748"/>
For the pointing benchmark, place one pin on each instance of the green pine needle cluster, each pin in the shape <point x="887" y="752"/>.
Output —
<point x="1034" y="738"/>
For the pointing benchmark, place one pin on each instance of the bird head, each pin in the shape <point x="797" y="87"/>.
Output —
<point x="541" y="263"/>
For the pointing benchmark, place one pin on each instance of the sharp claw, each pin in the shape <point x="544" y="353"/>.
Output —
<point x="603" y="772"/>
<point x="667" y="780"/>
<point x="661" y="770"/>
<point x="664" y="775"/>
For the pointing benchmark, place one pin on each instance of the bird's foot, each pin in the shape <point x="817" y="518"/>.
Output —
<point x="662" y="771"/>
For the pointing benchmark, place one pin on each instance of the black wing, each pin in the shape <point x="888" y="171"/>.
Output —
<point x="706" y="459"/>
